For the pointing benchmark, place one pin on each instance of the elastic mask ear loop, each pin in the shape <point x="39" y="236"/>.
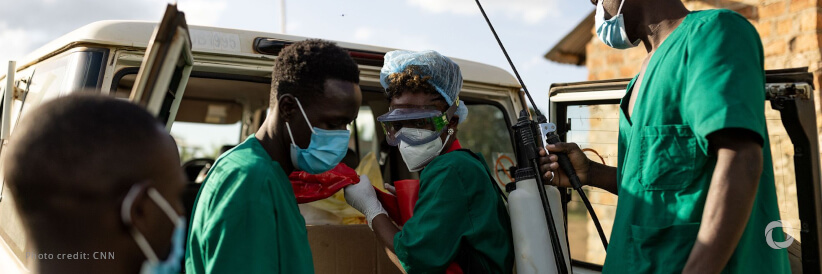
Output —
<point x="450" y="132"/>
<point x="287" y="126"/>
<point x="125" y="212"/>
<point x="619" y="11"/>
<point x="304" y="115"/>
<point x="427" y="160"/>
<point x="289" y="133"/>
<point x="164" y="205"/>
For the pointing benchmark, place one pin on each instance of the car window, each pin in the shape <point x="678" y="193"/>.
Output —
<point x="203" y="140"/>
<point x="486" y="131"/>
<point x="59" y="76"/>
<point x="595" y="128"/>
<point x="363" y="132"/>
<point x="782" y="152"/>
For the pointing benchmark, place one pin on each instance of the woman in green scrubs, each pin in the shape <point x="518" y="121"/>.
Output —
<point x="460" y="216"/>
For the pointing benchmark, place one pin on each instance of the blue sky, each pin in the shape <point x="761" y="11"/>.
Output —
<point x="528" y="28"/>
<point x="454" y="27"/>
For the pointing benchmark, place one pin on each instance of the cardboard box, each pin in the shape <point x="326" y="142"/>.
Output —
<point x="349" y="249"/>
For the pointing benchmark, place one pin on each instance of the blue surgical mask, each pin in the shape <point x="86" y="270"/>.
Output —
<point x="153" y="265"/>
<point x="326" y="150"/>
<point x="612" y="31"/>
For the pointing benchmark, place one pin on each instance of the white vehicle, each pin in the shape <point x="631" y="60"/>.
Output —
<point x="210" y="81"/>
<point x="218" y="81"/>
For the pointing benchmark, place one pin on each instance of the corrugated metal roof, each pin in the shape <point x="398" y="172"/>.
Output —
<point x="571" y="49"/>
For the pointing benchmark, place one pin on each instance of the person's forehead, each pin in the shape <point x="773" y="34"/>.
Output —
<point x="335" y="89"/>
<point x="338" y="97"/>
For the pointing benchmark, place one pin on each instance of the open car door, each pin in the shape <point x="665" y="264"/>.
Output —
<point x="587" y="113"/>
<point x="163" y="76"/>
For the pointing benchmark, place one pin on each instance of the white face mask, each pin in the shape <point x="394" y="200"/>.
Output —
<point x="612" y="31"/>
<point x="153" y="264"/>
<point x="416" y="157"/>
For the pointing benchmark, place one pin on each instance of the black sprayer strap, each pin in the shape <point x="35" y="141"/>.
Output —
<point x="485" y="167"/>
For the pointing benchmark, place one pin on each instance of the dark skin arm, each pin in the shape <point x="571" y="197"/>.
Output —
<point x="730" y="199"/>
<point x="727" y="207"/>
<point x="589" y="172"/>
<point x="385" y="230"/>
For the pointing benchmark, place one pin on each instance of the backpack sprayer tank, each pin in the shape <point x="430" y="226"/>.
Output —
<point x="537" y="224"/>
<point x="538" y="237"/>
<point x="532" y="246"/>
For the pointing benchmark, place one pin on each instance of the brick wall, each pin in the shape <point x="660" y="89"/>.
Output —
<point x="790" y="32"/>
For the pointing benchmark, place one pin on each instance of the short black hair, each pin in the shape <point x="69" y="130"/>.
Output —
<point x="79" y="152"/>
<point x="302" y="68"/>
<point x="410" y="80"/>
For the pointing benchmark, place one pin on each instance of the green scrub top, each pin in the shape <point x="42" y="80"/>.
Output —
<point x="246" y="218"/>
<point x="706" y="76"/>
<point x="459" y="213"/>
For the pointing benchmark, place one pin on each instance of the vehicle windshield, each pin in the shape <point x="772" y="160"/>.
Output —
<point x="203" y="140"/>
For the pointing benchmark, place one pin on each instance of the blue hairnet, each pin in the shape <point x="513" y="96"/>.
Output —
<point x="445" y="74"/>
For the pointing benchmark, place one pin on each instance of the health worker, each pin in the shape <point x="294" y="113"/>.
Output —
<point x="695" y="177"/>
<point x="246" y="218"/>
<point x="460" y="217"/>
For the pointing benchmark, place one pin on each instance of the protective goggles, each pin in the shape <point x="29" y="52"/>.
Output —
<point x="432" y="121"/>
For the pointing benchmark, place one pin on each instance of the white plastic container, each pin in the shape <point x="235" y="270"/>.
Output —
<point x="532" y="243"/>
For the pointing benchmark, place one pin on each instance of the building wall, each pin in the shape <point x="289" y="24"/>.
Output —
<point x="790" y="32"/>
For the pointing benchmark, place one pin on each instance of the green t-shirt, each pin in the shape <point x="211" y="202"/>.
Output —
<point x="706" y="76"/>
<point x="459" y="213"/>
<point x="246" y="218"/>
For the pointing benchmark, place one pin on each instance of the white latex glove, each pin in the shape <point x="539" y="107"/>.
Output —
<point x="390" y="188"/>
<point x="363" y="197"/>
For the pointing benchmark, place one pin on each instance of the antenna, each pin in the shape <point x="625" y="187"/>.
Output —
<point x="521" y="83"/>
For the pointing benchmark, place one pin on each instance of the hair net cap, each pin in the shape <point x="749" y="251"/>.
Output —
<point x="446" y="76"/>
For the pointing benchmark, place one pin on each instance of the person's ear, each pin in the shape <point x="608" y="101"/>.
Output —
<point x="452" y="124"/>
<point x="134" y="207"/>
<point x="286" y="105"/>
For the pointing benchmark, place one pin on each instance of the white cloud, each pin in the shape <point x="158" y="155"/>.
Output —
<point x="529" y="11"/>
<point x="17" y="43"/>
<point x="363" y="33"/>
<point x="388" y="38"/>
<point x="292" y="26"/>
<point x="202" y="12"/>
<point x="26" y="25"/>
<point x="532" y="63"/>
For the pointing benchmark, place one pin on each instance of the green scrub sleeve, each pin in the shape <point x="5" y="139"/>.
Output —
<point x="256" y="218"/>
<point x="429" y="241"/>
<point x="726" y="85"/>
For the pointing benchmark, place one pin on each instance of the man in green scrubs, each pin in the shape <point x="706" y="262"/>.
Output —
<point x="459" y="218"/>
<point x="695" y="178"/>
<point x="246" y="218"/>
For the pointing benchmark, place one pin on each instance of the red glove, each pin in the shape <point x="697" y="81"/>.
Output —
<point x="312" y="187"/>
<point x="390" y="204"/>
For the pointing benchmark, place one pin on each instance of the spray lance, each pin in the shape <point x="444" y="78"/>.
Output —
<point x="528" y="142"/>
